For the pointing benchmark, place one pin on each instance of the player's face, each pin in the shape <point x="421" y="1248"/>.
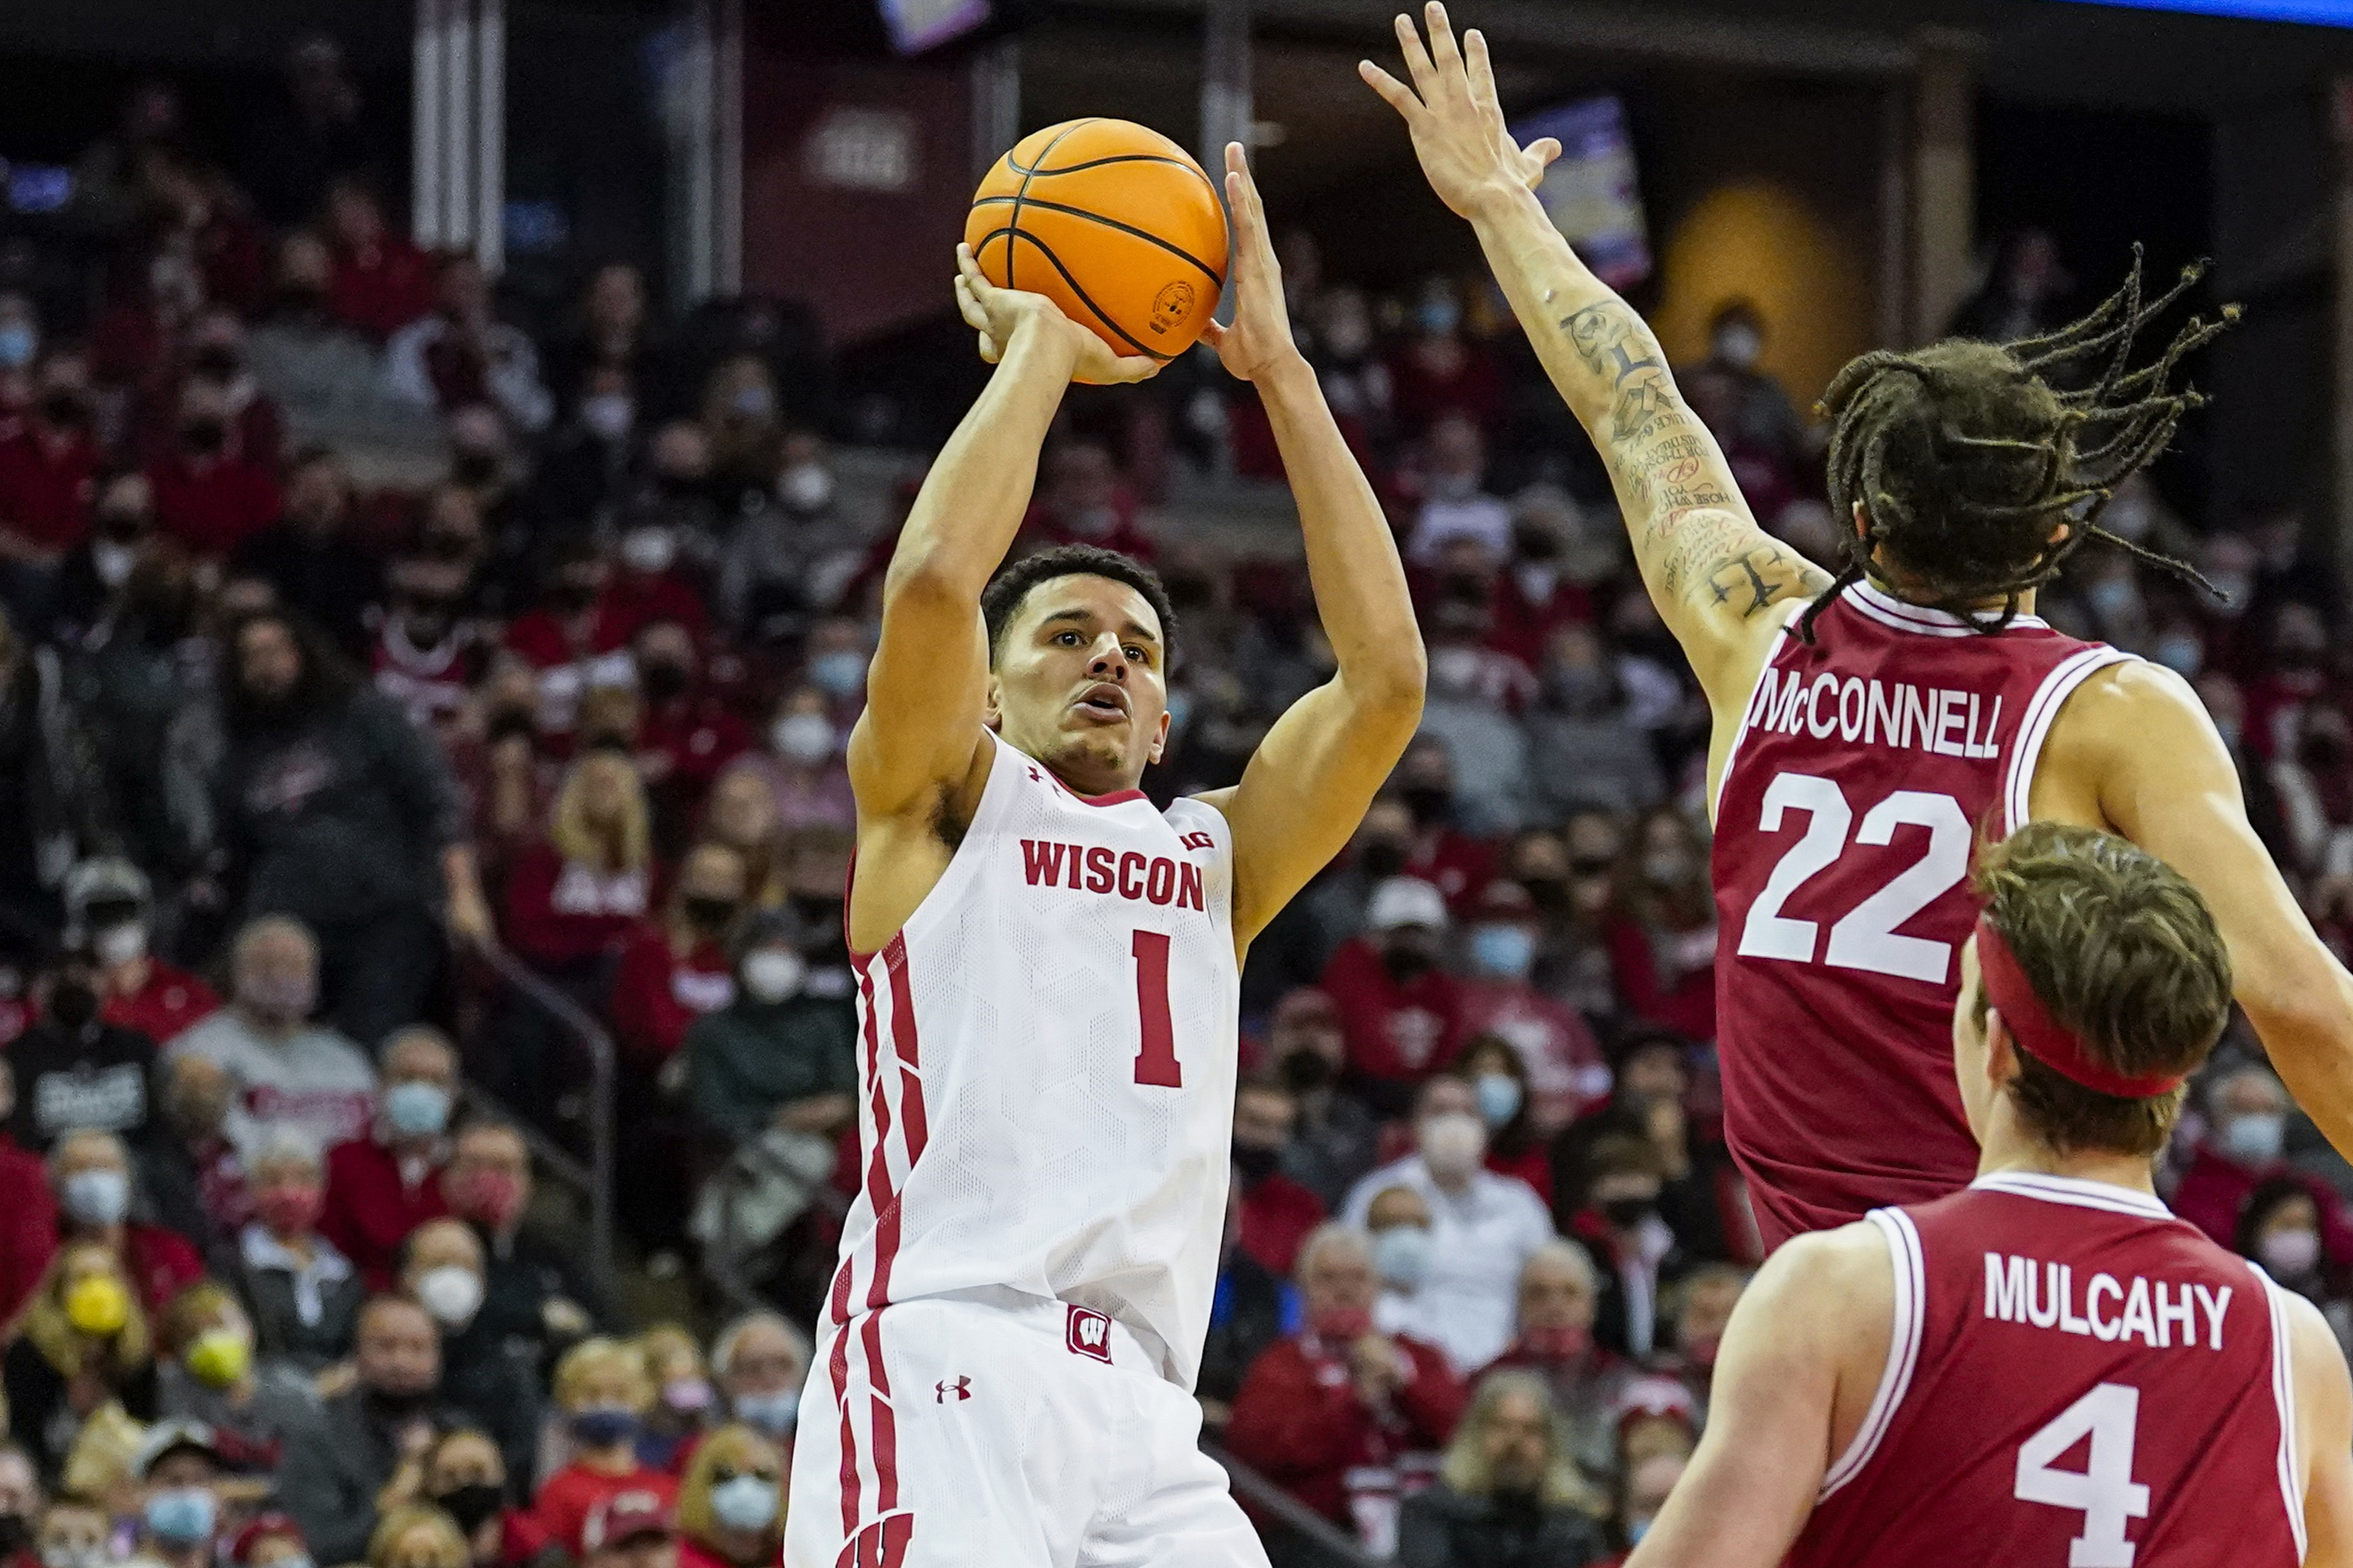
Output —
<point x="1081" y="682"/>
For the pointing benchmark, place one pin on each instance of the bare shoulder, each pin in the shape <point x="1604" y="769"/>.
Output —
<point x="2126" y="725"/>
<point x="2130" y="692"/>
<point x="2317" y="1359"/>
<point x="1835" y="1264"/>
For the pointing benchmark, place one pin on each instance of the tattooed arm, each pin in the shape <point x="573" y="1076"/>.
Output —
<point x="1718" y="579"/>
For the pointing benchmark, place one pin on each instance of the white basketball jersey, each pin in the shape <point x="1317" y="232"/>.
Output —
<point x="1047" y="1063"/>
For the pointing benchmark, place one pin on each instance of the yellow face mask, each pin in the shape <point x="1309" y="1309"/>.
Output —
<point x="98" y="1305"/>
<point x="219" y="1357"/>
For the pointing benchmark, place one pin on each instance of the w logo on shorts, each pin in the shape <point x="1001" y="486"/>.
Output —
<point x="1089" y="1334"/>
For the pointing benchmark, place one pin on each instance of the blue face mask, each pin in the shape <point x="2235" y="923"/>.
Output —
<point x="840" y="673"/>
<point x="100" y="1197"/>
<point x="184" y="1514"/>
<point x="1401" y="1257"/>
<point x="602" y="1425"/>
<point x="773" y="1414"/>
<point x="1440" y="317"/>
<point x="1505" y="951"/>
<point x="2183" y="653"/>
<point x="744" y="1503"/>
<point x="1499" y="1097"/>
<point x="18" y="342"/>
<point x="417" y="1109"/>
<point x="2255" y="1139"/>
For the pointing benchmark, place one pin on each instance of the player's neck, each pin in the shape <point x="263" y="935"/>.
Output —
<point x="1916" y="593"/>
<point x="2008" y="1146"/>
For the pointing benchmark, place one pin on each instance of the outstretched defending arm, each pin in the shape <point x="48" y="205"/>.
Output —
<point x="1309" y="782"/>
<point x="1711" y="572"/>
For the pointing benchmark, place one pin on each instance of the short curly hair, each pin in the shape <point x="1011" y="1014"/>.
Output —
<point x="1009" y="589"/>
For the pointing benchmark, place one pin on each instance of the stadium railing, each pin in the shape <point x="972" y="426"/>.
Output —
<point x="1296" y="1536"/>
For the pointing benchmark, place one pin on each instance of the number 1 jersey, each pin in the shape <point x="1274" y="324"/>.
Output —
<point x="1865" y="769"/>
<point x="2075" y="1379"/>
<point x="1046" y="1060"/>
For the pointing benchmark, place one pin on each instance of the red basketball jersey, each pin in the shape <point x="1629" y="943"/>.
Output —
<point x="1846" y="818"/>
<point x="2076" y="1380"/>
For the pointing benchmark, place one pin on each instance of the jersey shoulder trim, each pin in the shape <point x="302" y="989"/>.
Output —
<point x="1903" y="1347"/>
<point x="1901" y="614"/>
<point x="1747" y="717"/>
<point x="2291" y="1465"/>
<point x="2041" y="712"/>
<point x="2074" y="1191"/>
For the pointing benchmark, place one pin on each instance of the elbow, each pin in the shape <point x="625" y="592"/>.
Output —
<point x="1390" y="686"/>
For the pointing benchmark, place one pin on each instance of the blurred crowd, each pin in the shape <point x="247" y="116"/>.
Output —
<point x="368" y="640"/>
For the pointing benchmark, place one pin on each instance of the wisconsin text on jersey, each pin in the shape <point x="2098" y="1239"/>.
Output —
<point x="2042" y="1296"/>
<point x="1139" y="879"/>
<point x="1876" y="713"/>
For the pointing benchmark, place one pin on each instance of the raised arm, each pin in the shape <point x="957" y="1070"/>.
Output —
<point x="926" y="688"/>
<point x="2134" y="752"/>
<point x="1308" y="784"/>
<point x="1713" y="572"/>
<point x="2324" y="1414"/>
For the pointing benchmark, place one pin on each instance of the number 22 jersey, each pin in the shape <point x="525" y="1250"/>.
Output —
<point x="1848" y="813"/>
<point x="2075" y="1379"/>
<point x="1046" y="1060"/>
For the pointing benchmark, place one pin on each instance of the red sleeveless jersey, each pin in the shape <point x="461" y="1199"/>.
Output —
<point x="2076" y="1380"/>
<point x="1847" y="814"/>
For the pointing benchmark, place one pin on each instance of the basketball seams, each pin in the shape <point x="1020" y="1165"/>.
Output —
<point x="1109" y="158"/>
<point x="1014" y="222"/>
<point x="1042" y="204"/>
<point x="1083" y="298"/>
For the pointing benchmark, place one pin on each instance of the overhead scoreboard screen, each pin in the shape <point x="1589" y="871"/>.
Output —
<point x="2314" y="13"/>
<point x="1591" y="192"/>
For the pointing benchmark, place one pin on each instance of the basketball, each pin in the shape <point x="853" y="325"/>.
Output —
<point x="1116" y="224"/>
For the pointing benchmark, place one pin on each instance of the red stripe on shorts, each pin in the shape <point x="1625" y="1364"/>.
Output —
<point x="886" y="1432"/>
<point x="850" y="1487"/>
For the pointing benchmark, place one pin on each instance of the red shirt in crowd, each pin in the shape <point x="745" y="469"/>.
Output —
<point x="692" y="1553"/>
<point x="374" y="1200"/>
<point x="560" y="911"/>
<point x="633" y="601"/>
<point x="168" y="1001"/>
<point x="656" y="995"/>
<point x="1397" y="1031"/>
<point x="572" y="1494"/>
<point x="380" y="288"/>
<point x="211" y="504"/>
<point x="47" y="485"/>
<point x="1684" y="1002"/>
<point x="2214" y="1189"/>
<point x="697" y="737"/>
<point x="1277" y="1213"/>
<point x="1567" y="1071"/>
<point x="29" y="1225"/>
<point x="1299" y="1418"/>
<point x="1458" y="865"/>
<point x="1531" y="604"/>
<point x="158" y="1263"/>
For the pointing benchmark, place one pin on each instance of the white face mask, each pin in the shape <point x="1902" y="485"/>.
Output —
<point x="803" y="738"/>
<point x="607" y="415"/>
<point x="121" y="945"/>
<point x="451" y="1294"/>
<point x="1739" y="347"/>
<point x="1451" y="1143"/>
<point x="113" y="561"/>
<point x="649" y="550"/>
<point x="772" y="974"/>
<point x="806" y="486"/>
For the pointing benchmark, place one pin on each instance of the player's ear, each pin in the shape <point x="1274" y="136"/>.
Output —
<point x="1159" y="738"/>
<point x="2001" y="1054"/>
<point x="992" y="714"/>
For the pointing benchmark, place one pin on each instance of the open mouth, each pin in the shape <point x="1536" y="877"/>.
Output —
<point x="1103" y="700"/>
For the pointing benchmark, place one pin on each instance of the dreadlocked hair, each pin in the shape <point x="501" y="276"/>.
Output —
<point x="1967" y="459"/>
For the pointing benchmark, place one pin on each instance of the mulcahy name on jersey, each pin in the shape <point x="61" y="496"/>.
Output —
<point x="1154" y="878"/>
<point x="2043" y="1296"/>
<point x="1906" y="717"/>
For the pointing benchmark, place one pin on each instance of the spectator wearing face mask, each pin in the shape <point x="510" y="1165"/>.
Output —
<point x="1398" y="1222"/>
<point x="1566" y="876"/>
<point x="803" y="766"/>
<point x="385" y="1420"/>
<point x="195" y="1179"/>
<point x="1456" y="504"/>
<point x="685" y="1407"/>
<point x="1442" y="851"/>
<point x="586" y="469"/>
<point x="776" y="1056"/>
<point x="307" y="556"/>
<point x="1439" y="369"/>
<point x="289" y="1071"/>
<point x="94" y="577"/>
<point x="180" y="1468"/>
<point x="1293" y="951"/>
<point x="649" y="584"/>
<point x="1499" y="1078"/>
<point x="441" y="1266"/>
<point x="569" y="639"/>
<point x="1466" y="713"/>
<point x="1641" y="1496"/>
<point x="2280" y="1228"/>
<point x="1536" y="597"/>
<point x="49" y="467"/>
<point x="463" y="1475"/>
<point x="1509" y="1495"/>
<point x="97" y="1192"/>
<point x="81" y="1342"/>
<point x="731" y="1502"/>
<point x="602" y="1394"/>
<point x="111" y="900"/>
<point x="789" y="556"/>
<point x="74" y="1534"/>
<point x="1635" y="1254"/>
<point x="835" y="662"/>
<point x="211" y="495"/>
<point x="1084" y="500"/>
<point x="689" y="737"/>
<point x="74" y="1069"/>
<point x="536" y="1292"/>
<point x="1705" y="1200"/>
<point x="1552" y="1337"/>
<point x="759" y="1362"/>
<point x="1336" y="1140"/>
<point x="462" y="354"/>
<point x="303" y="1295"/>
<point x="209" y="1376"/>
<point x="1277" y="1212"/>
<point x="1562" y="1071"/>
<point x="1483" y="1226"/>
<point x="380" y="1188"/>
<point x="1327" y="1413"/>
<point x="675" y="970"/>
<point x="1661" y="927"/>
<point x="1399" y="1009"/>
<point x="2243" y="1146"/>
<point x="1584" y="748"/>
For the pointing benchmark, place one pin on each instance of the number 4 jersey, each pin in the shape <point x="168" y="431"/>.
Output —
<point x="1864" y="771"/>
<point x="2076" y="1379"/>
<point x="1046" y="1066"/>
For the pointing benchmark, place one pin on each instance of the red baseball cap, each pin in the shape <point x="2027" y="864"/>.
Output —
<point x="624" y="1517"/>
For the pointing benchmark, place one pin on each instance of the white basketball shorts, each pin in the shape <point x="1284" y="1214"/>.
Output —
<point x="1013" y="1431"/>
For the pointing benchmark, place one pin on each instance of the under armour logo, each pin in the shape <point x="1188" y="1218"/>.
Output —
<point x="1037" y="777"/>
<point x="1089" y="1334"/>
<point x="961" y="1388"/>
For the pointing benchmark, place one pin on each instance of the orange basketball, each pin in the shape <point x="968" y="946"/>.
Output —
<point x="1112" y="221"/>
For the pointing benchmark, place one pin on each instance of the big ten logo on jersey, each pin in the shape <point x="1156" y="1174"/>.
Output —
<point x="1876" y="713"/>
<point x="1098" y="868"/>
<point x="1088" y="1334"/>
